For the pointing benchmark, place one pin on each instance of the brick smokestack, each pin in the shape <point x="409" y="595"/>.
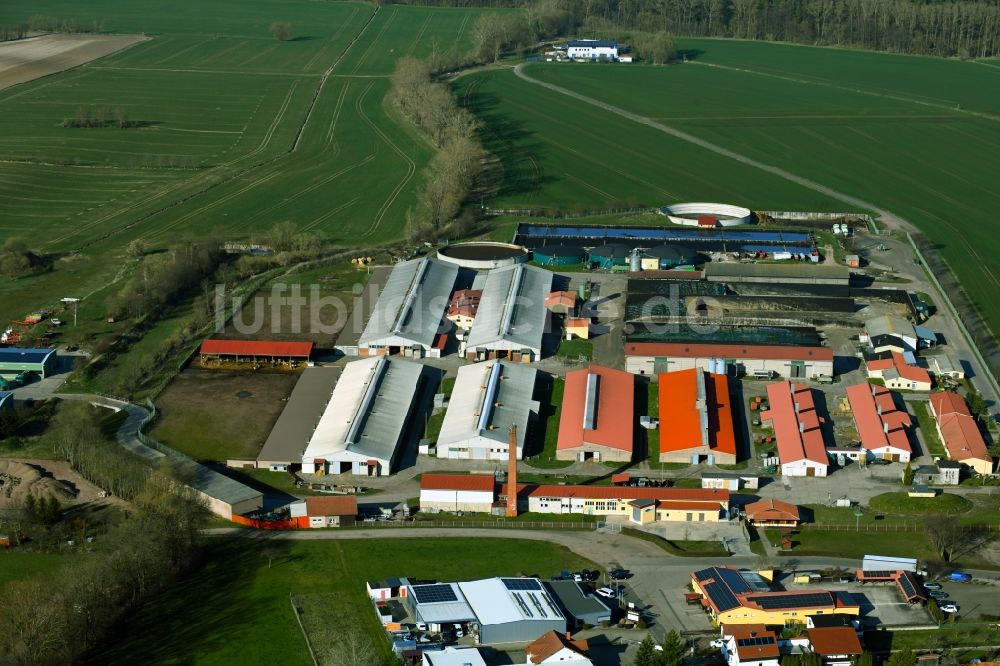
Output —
<point x="512" y="472"/>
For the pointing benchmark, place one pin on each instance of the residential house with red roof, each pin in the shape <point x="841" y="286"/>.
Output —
<point x="696" y="418"/>
<point x="751" y="645"/>
<point x="883" y="428"/>
<point x="772" y="513"/>
<point x="797" y="429"/>
<point x="791" y="361"/>
<point x="560" y="302"/>
<point x="598" y="415"/>
<point x="898" y="373"/>
<point x="553" y="647"/>
<point x="959" y="432"/>
<point x="463" y="307"/>
<point x="836" y="646"/>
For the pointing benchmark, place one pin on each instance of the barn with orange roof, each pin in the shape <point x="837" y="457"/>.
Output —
<point x="696" y="418"/>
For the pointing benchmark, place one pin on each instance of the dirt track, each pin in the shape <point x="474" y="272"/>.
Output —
<point x="29" y="59"/>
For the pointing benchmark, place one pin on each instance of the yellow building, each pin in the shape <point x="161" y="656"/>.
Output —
<point x="731" y="596"/>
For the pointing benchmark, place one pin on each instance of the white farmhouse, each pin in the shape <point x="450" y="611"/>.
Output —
<point x="592" y="49"/>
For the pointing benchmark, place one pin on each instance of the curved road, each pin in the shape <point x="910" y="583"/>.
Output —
<point x="988" y="388"/>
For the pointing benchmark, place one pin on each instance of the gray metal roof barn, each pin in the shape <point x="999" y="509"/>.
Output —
<point x="408" y="313"/>
<point x="366" y="419"/>
<point x="487" y="399"/>
<point x="512" y="315"/>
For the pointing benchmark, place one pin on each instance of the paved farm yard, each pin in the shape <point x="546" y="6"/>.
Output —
<point x="203" y="415"/>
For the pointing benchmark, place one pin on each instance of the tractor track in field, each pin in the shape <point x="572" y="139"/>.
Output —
<point x="186" y="182"/>
<point x="861" y="91"/>
<point x="172" y="187"/>
<point x="411" y="166"/>
<point x="367" y="51"/>
<point x="420" y="34"/>
<point x="332" y="40"/>
<point x="328" y="214"/>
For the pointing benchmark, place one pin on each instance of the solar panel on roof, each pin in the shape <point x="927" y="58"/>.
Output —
<point x="735" y="581"/>
<point x="754" y="641"/>
<point x="521" y="584"/>
<point x="909" y="585"/>
<point x="877" y="574"/>
<point x="705" y="574"/>
<point x="793" y="600"/>
<point x="721" y="597"/>
<point x="432" y="594"/>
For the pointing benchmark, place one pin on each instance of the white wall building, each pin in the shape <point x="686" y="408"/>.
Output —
<point x="592" y="49"/>
<point x="457" y="492"/>
<point x="487" y="399"/>
<point x="365" y="421"/>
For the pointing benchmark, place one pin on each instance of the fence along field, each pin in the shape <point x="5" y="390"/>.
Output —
<point x="219" y="144"/>
<point x="928" y="159"/>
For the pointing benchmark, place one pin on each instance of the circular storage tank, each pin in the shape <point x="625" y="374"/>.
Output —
<point x="483" y="255"/>
<point x="672" y="254"/>
<point x="613" y="254"/>
<point x="558" y="255"/>
<point x="725" y="215"/>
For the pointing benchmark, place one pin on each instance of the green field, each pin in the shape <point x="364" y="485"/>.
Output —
<point x="237" y="610"/>
<point x="916" y="136"/>
<point x="18" y="565"/>
<point x="237" y="132"/>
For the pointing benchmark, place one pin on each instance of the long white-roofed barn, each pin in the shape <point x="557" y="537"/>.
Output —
<point x="365" y="423"/>
<point x="408" y="315"/>
<point x="512" y="318"/>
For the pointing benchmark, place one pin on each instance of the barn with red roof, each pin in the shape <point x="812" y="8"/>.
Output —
<point x="798" y="428"/>
<point x="696" y="418"/>
<point x="597" y="421"/>
<point x="958" y="430"/>
<point x="882" y="426"/>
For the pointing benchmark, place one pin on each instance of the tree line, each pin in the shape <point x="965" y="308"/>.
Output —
<point x="963" y="28"/>
<point x="10" y="33"/>
<point x="456" y="168"/>
<point x="58" y="618"/>
<point x="91" y="117"/>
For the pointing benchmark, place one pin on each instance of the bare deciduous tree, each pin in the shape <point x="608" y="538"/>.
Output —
<point x="953" y="539"/>
<point x="281" y="30"/>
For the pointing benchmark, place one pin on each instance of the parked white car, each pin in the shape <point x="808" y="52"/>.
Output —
<point x="948" y="608"/>
<point x="606" y="592"/>
<point x="717" y="644"/>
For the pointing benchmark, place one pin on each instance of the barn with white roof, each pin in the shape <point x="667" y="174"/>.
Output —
<point x="364" y="424"/>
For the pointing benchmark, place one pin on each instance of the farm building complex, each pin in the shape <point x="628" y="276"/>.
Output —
<point x="959" y="432"/>
<point x="366" y="420"/>
<point x="794" y="273"/>
<point x="882" y="427"/>
<point x="733" y="596"/>
<point x="654" y="358"/>
<point x="797" y="428"/>
<point x="889" y="333"/>
<point x="696" y="418"/>
<point x="597" y="421"/>
<point x="17" y="360"/>
<point x="408" y="315"/>
<point x="488" y="399"/>
<point x="512" y="318"/>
